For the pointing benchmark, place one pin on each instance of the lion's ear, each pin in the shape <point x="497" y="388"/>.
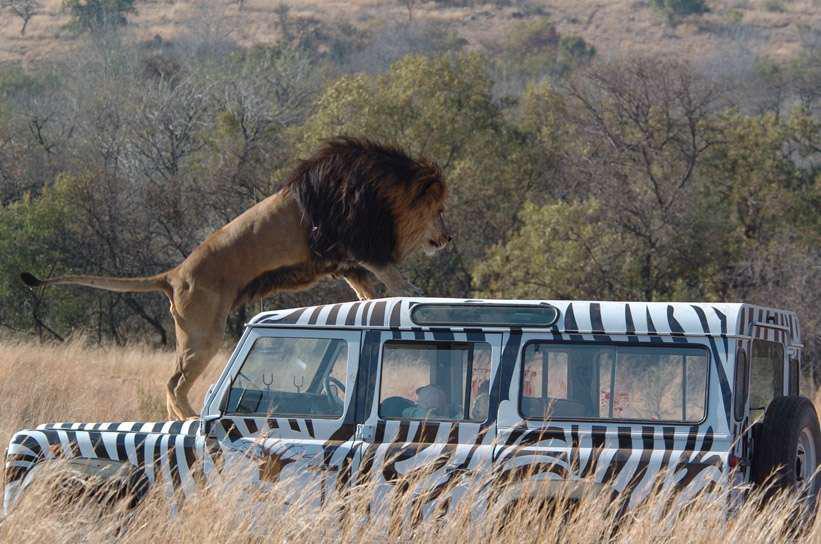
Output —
<point x="431" y="191"/>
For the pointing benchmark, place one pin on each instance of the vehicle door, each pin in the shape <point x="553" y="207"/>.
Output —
<point x="287" y="406"/>
<point x="429" y="421"/>
<point x="598" y="412"/>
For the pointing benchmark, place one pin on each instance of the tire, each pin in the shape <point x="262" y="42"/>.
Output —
<point x="787" y="450"/>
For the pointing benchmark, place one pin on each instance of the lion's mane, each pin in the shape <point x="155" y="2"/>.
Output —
<point x="362" y="200"/>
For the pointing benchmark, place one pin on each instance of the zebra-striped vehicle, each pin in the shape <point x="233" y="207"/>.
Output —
<point x="605" y="394"/>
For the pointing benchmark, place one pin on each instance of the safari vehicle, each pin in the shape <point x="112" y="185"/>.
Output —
<point x="609" y="393"/>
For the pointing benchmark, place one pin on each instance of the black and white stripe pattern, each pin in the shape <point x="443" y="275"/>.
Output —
<point x="154" y="449"/>
<point x="584" y="317"/>
<point x="769" y="324"/>
<point x="626" y="456"/>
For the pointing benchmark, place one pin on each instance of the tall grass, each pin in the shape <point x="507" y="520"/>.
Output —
<point x="72" y="382"/>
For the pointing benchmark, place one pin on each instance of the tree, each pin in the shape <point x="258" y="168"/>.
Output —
<point x="642" y="128"/>
<point x="627" y="140"/>
<point x="260" y="96"/>
<point x="771" y="210"/>
<point x="440" y="108"/>
<point x="35" y="234"/>
<point x="25" y="9"/>
<point x="409" y="5"/>
<point x="97" y="15"/>
<point x="562" y="250"/>
<point x="283" y="14"/>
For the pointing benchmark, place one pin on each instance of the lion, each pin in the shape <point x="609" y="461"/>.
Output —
<point x="354" y="208"/>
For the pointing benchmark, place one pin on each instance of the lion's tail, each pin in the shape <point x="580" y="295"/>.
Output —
<point x="122" y="285"/>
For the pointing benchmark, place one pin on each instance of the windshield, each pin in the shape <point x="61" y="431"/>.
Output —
<point x="291" y="376"/>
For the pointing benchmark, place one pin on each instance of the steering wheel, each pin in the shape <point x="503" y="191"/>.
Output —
<point x="336" y="399"/>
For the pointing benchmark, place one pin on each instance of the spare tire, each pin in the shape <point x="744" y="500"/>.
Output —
<point x="787" y="450"/>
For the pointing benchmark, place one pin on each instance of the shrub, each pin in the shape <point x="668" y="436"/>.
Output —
<point x="674" y="10"/>
<point x="97" y="15"/>
<point x="453" y="3"/>
<point x="531" y="36"/>
<point x="575" y="50"/>
<point x="775" y="6"/>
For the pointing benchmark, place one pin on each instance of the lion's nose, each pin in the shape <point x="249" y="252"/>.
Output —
<point x="450" y="238"/>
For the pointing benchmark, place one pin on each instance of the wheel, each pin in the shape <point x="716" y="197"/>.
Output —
<point x="788" y="450"/>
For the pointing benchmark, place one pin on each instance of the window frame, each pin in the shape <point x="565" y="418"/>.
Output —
<point x="352" y="344"/>
<point x="468" y="375"/>
<point x="740" y="397"/>
<point x="615" y="343"/>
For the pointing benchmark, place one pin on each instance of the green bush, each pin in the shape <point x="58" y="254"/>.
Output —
<point x="97" y="15"/>
<point x="533" y="36"/>
<point x="574" y="49"/>
<point x="674" y="10"/>
<point x="34" y="236"/>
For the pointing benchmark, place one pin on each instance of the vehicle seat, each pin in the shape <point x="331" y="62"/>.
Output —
<point x="394" y="406"/>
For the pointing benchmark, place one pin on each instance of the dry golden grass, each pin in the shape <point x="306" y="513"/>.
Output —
<point x="75" y="383"/>
<point x="71" y="382"/>
<point x="611" y="26"/>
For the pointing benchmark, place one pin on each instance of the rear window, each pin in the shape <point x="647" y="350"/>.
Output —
<point x="766" y="375"/>
<point x="588" y="381"/>
<point x="435" y="380"/>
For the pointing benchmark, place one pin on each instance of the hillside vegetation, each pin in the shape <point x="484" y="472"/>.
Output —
<point x="731" y="27"/>
<point x="577" y="168"/>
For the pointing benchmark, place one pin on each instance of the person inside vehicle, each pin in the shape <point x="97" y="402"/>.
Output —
<point x="480" y="404"/>
<point x="431" y="402"/>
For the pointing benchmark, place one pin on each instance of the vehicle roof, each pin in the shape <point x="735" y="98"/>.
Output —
<point x="575" y="316"/>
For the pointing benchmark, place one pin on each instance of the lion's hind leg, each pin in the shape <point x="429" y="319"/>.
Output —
<point x="199" y="337"/>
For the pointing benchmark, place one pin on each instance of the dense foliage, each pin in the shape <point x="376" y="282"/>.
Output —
<point x="627" y="178"/>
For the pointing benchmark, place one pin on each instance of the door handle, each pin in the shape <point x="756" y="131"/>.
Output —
<point x="365" y="432"/>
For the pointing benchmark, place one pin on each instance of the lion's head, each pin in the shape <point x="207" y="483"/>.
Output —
<point x="438" y="235"/>
<point x="370" y="203"/>
<point x="421" y="220"/>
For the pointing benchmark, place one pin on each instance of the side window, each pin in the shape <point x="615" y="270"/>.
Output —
<point x="766" y="373"/>
<point x="291" y="377"/>
<point x="613" y="382"/>
<point x="545" y="373"/>
<point x="435" y="380"/>
<point x="742" y="375"/>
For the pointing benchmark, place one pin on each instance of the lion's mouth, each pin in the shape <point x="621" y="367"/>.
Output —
<point x="437" y="245"/>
